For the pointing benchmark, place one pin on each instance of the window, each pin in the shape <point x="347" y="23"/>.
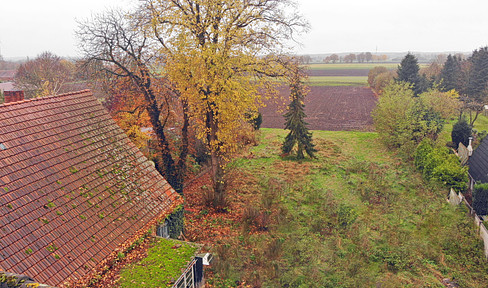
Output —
<point x="162" y="230"/>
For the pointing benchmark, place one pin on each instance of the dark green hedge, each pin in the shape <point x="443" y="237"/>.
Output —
<point x="176" y="222"/>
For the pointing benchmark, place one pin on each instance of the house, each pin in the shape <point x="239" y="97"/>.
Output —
<point x="478" y="173"/>
<point x="9" y="93"/>
<point x="74" y="191"/>
<point x="478" y="165"/>
<point x="7" y="75"/>
<point x="7" y="86"/>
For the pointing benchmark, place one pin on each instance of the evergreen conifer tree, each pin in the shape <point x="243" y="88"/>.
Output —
<point x="480" y="198"/>
<point x="408" y="71"/>
<point x="450" y="73"/>
<point x="295" y="119"/>
<point x="461" y="131"/>
<point x="478" y="75"/>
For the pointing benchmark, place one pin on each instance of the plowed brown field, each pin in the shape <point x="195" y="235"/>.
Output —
<point x="333" y="108"/>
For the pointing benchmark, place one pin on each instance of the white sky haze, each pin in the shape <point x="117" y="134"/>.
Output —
<point x="29" y="27"/>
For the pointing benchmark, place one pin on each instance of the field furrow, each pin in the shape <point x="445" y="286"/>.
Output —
<point x="332" y="108"/>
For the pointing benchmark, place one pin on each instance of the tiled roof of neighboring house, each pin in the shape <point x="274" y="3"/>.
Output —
<point x="74" y="190"/>
<point x="7" y="75"/>
<point x="7" y="86"/>
<point x="478" y="163"/>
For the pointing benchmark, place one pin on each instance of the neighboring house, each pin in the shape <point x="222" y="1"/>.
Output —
<point x="478" y="165"/>
<point x="9" y="93"/>
<point x="74" y="191"/>
<point x="7" y="75"/>
<point x="7" y="86"/>
<point x="478" y="173"/>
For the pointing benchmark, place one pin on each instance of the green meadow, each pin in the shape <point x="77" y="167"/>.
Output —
<point x="356" y="216"/>
<point x="337" y="81"/>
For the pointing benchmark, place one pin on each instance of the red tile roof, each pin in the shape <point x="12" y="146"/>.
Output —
<point x="73" y="189"/>
<point x="7" y="86"/>
<point x="7" y="75"/>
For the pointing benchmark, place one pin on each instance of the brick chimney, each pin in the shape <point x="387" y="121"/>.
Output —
<point x="13" y="96"/>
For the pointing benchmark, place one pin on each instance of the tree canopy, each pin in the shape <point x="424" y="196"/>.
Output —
<point x="45" y="75"/>
<point x="408" y="71"/>
<point x="219" y="55"/>
<point x="402" y="120"/>
<point x="118" y="45"/>
<point x="379" y="77"/>
<point x="478" y="75"/>
<point x="461" y="131"/>
<point x="450" y="73"/>
<point x="480" y="198"/>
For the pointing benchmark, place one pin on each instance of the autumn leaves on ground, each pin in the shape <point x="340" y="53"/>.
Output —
<point x="356" y="216"/>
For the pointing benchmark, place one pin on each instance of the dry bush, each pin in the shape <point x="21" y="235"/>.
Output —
<point x="223" y="256"/>
<point x="250" y="217"/>
<point x="220" y="202"/>
<point x="272" y="191"/>
<point x="247" y="136"/>
<point x="274" y="249"/>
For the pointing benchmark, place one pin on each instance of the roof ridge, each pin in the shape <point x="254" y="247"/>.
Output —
<point x="46" y="97"/>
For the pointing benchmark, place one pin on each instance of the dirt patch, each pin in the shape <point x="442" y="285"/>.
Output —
<point x="331" y="108"/>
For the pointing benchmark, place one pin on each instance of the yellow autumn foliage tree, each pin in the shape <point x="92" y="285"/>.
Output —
<point x="221" y="54"/>
<point x="447" y="104"/>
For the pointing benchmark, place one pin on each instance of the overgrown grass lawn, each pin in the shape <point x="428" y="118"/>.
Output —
<point x="357" y="216"/>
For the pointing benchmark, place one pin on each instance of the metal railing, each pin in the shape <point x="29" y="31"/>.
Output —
<point x="187" y="279"/>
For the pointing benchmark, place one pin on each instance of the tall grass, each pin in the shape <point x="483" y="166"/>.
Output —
<point x="357" y="216"/>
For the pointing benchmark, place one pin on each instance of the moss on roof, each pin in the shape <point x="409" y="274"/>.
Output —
<point x="166" y="260"/>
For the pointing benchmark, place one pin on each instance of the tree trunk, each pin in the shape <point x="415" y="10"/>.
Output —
<point x="218" y="181"/>
<point x="215" y="160"/>
<point x="181" y="166"/>
<point x="166" y="165"/>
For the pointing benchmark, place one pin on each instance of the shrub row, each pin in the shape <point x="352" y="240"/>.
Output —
<point x="439" y="166"/>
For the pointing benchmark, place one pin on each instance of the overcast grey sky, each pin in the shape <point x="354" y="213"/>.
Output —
<point x="29" y="27"/>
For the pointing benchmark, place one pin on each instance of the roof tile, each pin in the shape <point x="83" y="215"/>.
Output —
<point x="72" y="185"/>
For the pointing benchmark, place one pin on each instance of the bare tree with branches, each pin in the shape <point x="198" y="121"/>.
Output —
<point x="44" y="75"/>
<point x="117" y="40"/>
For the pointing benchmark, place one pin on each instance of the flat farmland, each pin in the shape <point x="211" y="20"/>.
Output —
<point x="331" y="108"/>
<point x="351" y="66"/>
<point x="338" y="72"/>
<point x="337" y="81"/>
